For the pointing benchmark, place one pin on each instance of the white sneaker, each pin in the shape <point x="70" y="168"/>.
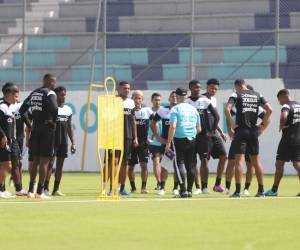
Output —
<point x="22" y="192"/>
<point x="42" y="196"/>
<point x="226" y="191"/>
<point x="175" y="192"/>
<point x="197" y="191"/>
<point x="3" y="195"/>
<point x="46" y="192"/>
<point x="205" y="191"/>
<point x="58" y="193"/>
<point x="161" y="192"/>
<point x="30" y="195"/>
<point x="9" y="195"/>
<point x="246" y="192"/>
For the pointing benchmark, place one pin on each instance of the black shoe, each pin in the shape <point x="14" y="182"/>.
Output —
<point x="260" y="194"/>
<point x="235" y="195"/>
<point x="189" y="194"/>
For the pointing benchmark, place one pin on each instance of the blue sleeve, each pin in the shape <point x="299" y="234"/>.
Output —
<point x="173" y="117"/>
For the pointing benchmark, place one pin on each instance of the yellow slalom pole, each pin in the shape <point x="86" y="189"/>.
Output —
<point x="110" y="136"/>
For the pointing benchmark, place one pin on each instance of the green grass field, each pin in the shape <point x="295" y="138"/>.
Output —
<point x="77" y="221"/>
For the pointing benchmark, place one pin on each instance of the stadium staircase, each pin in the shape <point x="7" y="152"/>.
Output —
<point x="228" y="33"/>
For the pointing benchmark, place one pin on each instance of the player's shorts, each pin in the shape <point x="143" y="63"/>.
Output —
<point x="139" y="154"/>
<point x="156" y="151"/>
<point x="128" y="144"/>
<point x="61" y="150"/>
<point x="11" y="152"/>
<point x="21" y="144"/>
<point x="210" y="147"/>
<point x="203" y="143"/>
<point x="231" y="154"/>
<point x="41" y="142"/>
<point x="246" y="138"/>
<point x="218" y="148"/>
<point x="286" y="152"/>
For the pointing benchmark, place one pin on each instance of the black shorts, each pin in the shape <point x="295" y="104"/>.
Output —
<point x="11" y="152"/>
<point x="231" y="154"/>
<point x="207" y="147"/>
<point x="61" y="150"/>
<point x="286" y="152"/>
<point x="156" y="151"/>
<point x="203" y="143"/>
<point x="41" y="142"/>
<point x="126" y="153"/>
<point x="21" y="144"/>
<point x="244" y="139"/>
<point x="139" y="154"/>
<point x="218" y="148"/>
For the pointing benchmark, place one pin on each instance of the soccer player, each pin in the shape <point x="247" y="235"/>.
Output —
<point x="130" y="133"/>
<point x="163" y="116"/>
<point x="289" y="145"/>
<point x="62" y="132"/>
<point x="155" y="147"/>
<point x="9" y="149"/>
<point x="205" y="108"/>
<point x="217" y="149"/>
<point x="43" y="105"/>
<point x="231" y="160"/>
<point x="140" y="154"/>
<point x="184" y="126"/>
<point x="245" y="131"/>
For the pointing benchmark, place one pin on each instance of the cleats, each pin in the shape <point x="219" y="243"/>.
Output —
<point x="260" y="194"/>
<point x="175" y="192"/>
<point x="246" y="192"/>
<point x="197" y="191"/>
<point x="123" y="193"/>
<point x="58" y="193"/>
<point x="270" y="193"/>
<point x="205" y="191"/>
<point x="21" y="193"/>
<point x="161" y="192"/>
<point x="218" y="189"/>
<point x="235" y="195"/>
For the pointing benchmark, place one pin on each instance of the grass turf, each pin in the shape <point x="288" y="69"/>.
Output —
<point x="151" y="222"/>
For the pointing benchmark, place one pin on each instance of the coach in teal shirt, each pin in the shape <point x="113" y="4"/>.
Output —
<point x="184" y="126"/>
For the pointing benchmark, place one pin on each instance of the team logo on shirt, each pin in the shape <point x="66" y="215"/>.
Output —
<point x="250" y="103"/>
<point x="296" y="115"/>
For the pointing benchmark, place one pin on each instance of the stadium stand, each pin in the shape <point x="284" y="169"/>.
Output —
<point x="228" y="33"/>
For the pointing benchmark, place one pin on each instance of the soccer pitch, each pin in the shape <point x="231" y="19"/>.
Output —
<point x="213" y="221"/>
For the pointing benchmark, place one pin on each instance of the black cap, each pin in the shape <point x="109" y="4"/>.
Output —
<point x="181" y="92"/>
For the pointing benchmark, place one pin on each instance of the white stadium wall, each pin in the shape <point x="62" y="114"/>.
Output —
<point x="268" y="141"/>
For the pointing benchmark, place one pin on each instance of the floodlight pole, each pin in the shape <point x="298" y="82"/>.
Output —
<point x="23" y="47"/>
<point x="277" y="30"/>
<point x="92" y="74"/>
<point x="192" y="70"/>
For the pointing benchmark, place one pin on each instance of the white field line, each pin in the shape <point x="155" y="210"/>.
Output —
<point x="141" y="200"/>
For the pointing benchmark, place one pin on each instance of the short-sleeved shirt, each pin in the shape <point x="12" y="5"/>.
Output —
<point x="128" y="116"/>
<point x="142" y="118"/>
<point x="7" y="120"/>
<point x="61" y="131"/>
<point x="247" y="104"/>
<point x="43" y="105"/>
<point x="291" y="134"/>
<point x="19" y="121"/>
<point x="163" y="115"/>
<point x="204" y="107"/>
<point x="187" y="119"/>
